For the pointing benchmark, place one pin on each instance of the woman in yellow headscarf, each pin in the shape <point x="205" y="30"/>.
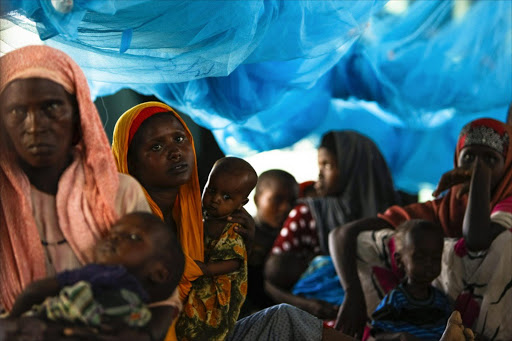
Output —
<point x="152" y="143"/>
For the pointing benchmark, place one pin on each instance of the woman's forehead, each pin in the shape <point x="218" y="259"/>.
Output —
<point x="160" y="124"/>
<point x="27" y="86"/>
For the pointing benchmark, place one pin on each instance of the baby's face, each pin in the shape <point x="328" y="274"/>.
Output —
<point x="421" y="256"/>
<point x="130" y="242"/>
<point x="223" y="194"/>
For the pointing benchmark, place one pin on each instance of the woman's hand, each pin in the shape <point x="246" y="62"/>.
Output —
<point x="352" y="315"/>
<point x="454" y="177"/>
<point x="247" y="229"/>
<point x="322" y="309"/>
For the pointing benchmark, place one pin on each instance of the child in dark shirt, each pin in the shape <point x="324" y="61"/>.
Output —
<point x="415" y="307"/>
<point x="275" y="195"/>
<point x="140" y="261"/>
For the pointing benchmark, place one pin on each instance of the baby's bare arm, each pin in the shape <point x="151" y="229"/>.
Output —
<point x="219" y="267"/>
<point x="35" y="293"/>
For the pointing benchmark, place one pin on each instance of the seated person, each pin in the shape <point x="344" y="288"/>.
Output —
<point x="214" y="302"/>
<point x="477" y="206"/>
<point x="415" y="307"/>
<point x="140" y="261"/>
<point x="276" y="193"/>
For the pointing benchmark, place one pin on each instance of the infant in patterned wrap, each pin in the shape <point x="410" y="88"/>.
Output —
<point x="140" y="261"/>
<point x="215" y="300"/>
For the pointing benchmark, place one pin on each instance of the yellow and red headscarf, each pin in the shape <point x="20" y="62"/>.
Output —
<point x="187" y="208"/>
<point x="448" y="211"/>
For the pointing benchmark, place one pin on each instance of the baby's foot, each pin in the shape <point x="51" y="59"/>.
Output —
<point x="455" y="330"/>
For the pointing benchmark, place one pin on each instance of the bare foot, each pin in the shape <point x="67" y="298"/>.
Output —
<point x="455" y="330"/>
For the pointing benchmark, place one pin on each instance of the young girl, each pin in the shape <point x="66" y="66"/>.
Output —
<point x="216" y="297"/>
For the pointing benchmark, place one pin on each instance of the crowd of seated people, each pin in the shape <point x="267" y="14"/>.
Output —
<point x="116" y="242"/>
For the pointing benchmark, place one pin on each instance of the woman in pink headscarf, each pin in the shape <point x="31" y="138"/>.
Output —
<point x="59" y="187"/>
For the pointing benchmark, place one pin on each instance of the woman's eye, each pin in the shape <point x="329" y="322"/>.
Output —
<point x="156" y="147"/>
<point x="133" y="236"/>
<point x="226" y="196"/>
<point x="180" y="139"/>
<point x="491" y="160"/>
<point x="17" y="112"/>
<point x="52" y="106"/>
<point x="468" y="157"/>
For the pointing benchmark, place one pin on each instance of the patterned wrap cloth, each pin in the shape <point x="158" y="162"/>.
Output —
<point x="214" y="303"/>
<point x="187" y="212"/>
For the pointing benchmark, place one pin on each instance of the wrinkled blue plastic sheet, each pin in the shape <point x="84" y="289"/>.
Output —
<point x="265" y="74"/>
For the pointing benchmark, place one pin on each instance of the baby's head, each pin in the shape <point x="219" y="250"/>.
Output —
<point x="419" y="247"/>
<point x="276" y="193"/>
<point x="148" y="249"/>
<point x="230" y="182"/>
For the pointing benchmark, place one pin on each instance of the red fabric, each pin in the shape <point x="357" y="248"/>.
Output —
<point x="468" y="308"/>
<point x="497" y="126"/>
<point x="141" y="117"/>
<point x="448" y="211"/>
<point x="298" y="232"/>
<point x="389" y="278"/>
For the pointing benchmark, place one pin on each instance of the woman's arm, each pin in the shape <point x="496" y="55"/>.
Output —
<point x="216" y="268"/>
<point x="478" y="229"/>
<point x="35" y="293"/>
<point x="352" y="315"/>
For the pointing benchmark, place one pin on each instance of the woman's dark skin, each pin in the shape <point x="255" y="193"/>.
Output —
<point x="163" y="161"/>
<point x="478" y="170"/>
<point x="40" y="122"/>
<point x="278" y="267"/>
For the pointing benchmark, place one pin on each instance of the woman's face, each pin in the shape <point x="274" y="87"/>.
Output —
<point x="493" y="159"/>
<point x="38" y="117"/>
<point x="329" y="182"/>
<point x="162" y="155"/>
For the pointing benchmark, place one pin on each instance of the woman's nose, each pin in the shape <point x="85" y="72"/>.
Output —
<point x="174" y="154"/>
<point x="34" y="120"/>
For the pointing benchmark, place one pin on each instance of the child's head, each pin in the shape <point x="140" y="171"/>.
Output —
<point x="276" y="193"/>
<point x="148" y="249"/>
<point x="419" y="247"/>
<point x="230" y="182"/>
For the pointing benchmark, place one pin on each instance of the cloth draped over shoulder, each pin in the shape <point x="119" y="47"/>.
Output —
<point x="367" y="187"/>
<point x="187" y="208"/>
<point x="86" y="189"/>
<point x="448" y="211"/>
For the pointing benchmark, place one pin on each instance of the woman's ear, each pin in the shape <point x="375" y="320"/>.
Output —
<point x="158" y="273"/>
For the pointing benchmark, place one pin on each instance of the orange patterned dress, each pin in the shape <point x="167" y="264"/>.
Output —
<point x="214" y="303"/>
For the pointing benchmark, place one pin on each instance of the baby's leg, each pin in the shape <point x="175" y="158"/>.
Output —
<point x="455" y="330"/>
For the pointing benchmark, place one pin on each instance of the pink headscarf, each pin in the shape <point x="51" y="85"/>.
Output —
<point x="86" y="189"/>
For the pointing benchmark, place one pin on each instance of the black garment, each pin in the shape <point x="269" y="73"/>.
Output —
<point x="257" y="299"/>
<point x="366" y="189"/>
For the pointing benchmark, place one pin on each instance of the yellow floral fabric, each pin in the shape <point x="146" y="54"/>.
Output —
<point x="214" y="303"/>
